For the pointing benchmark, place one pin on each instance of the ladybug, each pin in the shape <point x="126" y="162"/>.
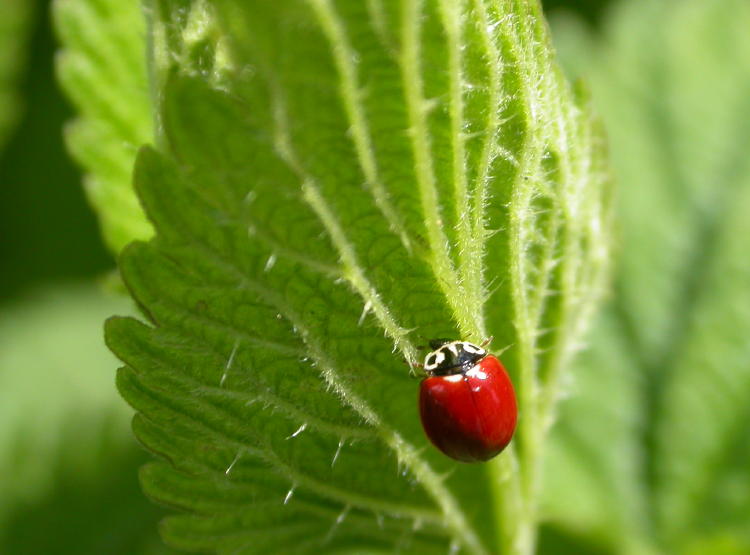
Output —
<point x="467" y="403"/>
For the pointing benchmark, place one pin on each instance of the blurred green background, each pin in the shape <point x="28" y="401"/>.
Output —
<point x="68" y="463"/>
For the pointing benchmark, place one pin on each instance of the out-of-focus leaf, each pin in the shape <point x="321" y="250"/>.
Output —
<point x="672" y="80"/>
<point x="103" y="70"/>
<point x="336" y="181"/>
<point x="594" y="449"/>
<point x="66" y="454"/>
<point x="14" y="23"/>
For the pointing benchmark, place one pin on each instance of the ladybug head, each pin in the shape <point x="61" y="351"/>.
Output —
<point x="452" y="357"/>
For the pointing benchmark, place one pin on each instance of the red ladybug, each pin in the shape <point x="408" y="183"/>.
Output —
<point x="467" y="402"/>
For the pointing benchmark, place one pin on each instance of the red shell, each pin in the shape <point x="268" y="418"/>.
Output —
<point x="470" y="417"/>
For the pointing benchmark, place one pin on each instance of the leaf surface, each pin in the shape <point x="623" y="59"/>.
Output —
<point x="333" y="184"/>
<point x="103" y="71"/>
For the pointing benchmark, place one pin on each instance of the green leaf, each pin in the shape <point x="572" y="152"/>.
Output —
<point x="14" y="25"/>
<point x="672" y="82"/>
<point x="103" y="70"/>
<point x="65" y="449"/>
<point x="334" y="183"/>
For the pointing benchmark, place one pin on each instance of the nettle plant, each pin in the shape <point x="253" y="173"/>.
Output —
<point x="330" y="184"/>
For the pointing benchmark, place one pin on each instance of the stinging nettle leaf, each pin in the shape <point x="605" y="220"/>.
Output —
<point x="333" y="184"/>
<point x="103" y="70"/>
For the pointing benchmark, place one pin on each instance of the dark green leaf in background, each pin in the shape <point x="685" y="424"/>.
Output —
<point x="47" y="232"/>
<point x="14" y="24"/>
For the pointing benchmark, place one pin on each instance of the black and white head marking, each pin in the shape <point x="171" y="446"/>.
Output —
<point x="452" y="357"/>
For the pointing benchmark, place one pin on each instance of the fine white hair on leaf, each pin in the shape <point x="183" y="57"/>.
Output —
<point x="234" y="462"/>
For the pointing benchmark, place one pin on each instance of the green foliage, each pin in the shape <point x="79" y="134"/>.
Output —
<point x="67" y="460"/>
<point x="103" y="71"/>
<point x="653" y="446"/>
<point x="13" y="30"/>
<point x="333" y="183"/>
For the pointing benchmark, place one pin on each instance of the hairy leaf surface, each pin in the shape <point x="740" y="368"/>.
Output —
<point x="334" y="183"/>
<point x="103" y="70"/>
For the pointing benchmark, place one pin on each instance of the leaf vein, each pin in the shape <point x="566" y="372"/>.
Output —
<point x="417" y="108"/>
<point x="351" y="92"/>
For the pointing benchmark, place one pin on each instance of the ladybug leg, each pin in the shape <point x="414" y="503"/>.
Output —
<point x="415" y="369"/>
<point x="487" y="341"/>
<point x="415" y="366"/>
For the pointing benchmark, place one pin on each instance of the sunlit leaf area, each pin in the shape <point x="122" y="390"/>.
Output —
<point x="231" y="229"/>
